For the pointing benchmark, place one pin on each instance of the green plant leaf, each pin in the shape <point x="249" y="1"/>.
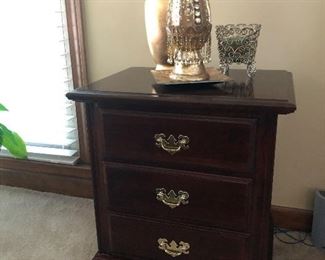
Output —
<point x="13" y="142"/>
<point x="3" y="108"/>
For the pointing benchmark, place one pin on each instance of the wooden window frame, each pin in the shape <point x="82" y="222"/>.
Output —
<point x="59" y="178"/>
<point x="79" y="68"/>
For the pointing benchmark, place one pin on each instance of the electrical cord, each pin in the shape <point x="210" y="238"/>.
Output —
<point x="290" y="237"/>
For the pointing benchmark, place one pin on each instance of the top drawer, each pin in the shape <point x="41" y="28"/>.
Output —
<point x="200" y="143"/>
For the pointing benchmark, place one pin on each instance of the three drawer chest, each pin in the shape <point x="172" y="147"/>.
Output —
<point x="184" y="172"/>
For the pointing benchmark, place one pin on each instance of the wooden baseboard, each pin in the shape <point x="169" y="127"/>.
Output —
<point x="61" y="179"/>
<point x="76" y="181"/>
<point x="292" y="218"/>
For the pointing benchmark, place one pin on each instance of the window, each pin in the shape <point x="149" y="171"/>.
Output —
<point x="36" y="73"/>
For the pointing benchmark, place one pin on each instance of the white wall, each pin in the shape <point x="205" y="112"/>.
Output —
<point x="292" y="39"/>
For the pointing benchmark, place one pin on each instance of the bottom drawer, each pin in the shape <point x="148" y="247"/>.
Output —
<point x="132" y="238"/>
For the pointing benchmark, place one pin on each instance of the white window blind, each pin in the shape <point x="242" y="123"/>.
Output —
<point x="35" y="75"/>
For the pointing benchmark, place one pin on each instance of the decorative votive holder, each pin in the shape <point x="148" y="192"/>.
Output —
<point x="237" y="43"/>
<point x="189" y="39"/>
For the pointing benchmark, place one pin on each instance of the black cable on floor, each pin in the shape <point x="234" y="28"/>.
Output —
<point x="292" y="239"/>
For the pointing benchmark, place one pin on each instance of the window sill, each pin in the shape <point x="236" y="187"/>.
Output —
<point x="45" y="154"/>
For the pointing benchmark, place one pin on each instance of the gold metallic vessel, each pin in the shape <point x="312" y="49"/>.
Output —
<point x="156" y="22"/>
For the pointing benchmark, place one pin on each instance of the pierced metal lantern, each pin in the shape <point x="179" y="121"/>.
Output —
<point x="189" y="39"/>
<point x="238" y="44"/>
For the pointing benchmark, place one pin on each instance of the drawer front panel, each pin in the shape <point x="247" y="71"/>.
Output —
<point x="200" y="143"/>
<point x="147" y="239"/>
<point x="202" y="199"/>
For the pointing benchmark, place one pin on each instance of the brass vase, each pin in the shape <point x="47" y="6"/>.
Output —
<point x="156" y="22"/>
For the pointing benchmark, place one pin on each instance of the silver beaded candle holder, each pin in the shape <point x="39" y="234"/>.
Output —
<point x="189" y="39"/>
<point x="238" y="44"/>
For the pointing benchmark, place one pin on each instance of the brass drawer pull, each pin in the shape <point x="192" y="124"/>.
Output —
<point x="171" y="144"/>
<point x="172" y="248"/>
<point x="171" y="199"/>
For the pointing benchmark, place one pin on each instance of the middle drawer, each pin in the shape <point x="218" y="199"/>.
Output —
<point x="191" y="197"/>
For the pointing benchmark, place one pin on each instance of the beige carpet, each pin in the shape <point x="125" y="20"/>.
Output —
<point x="45" y="226"/>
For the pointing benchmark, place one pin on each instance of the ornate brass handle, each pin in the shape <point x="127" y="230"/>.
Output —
<point x="171" y="144"/>
<point x="171" y="199"/>
<point x="172" y="248"/>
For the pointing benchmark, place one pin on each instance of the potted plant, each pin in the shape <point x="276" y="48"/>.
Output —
<point x="11" y="140"/>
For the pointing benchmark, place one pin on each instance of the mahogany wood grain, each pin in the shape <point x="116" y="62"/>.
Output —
<point x="220" y="143"/>
<point x="137" y="238"/>
<point x="218" y="201"/>
<point x="270" y="91"/>
<point x="100" y="256"/>
<point x="266" y="137"/>
<point x="125" y="110"/>
<point x="99" y="187"/>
